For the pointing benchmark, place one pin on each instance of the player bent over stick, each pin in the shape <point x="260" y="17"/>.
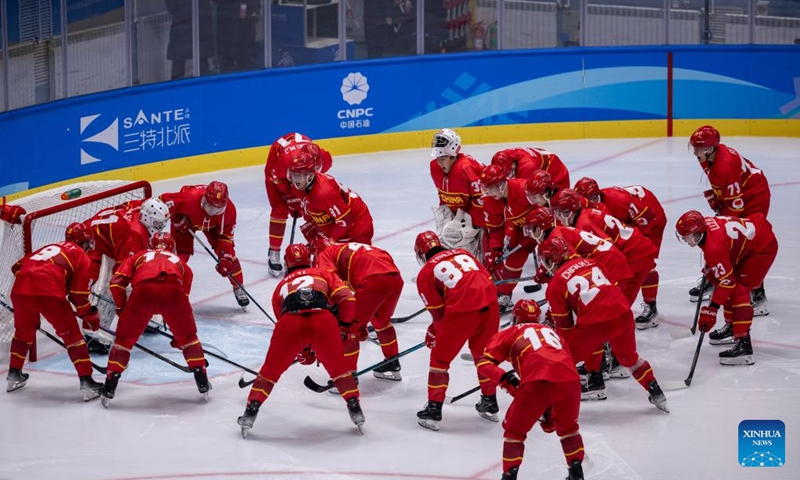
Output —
<point x="43" y="280"/>
<point x="548" y="387"/>
<point x="459" y="293"/>
<point x="307" y="330"/>
<point x="601" y="314"/>
<point x="160" y="283"/>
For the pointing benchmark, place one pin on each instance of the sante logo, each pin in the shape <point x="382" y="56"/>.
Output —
<point x="762" y="443"/>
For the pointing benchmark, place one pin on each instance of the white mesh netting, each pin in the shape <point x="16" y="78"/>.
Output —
<point x="47" y="225"/>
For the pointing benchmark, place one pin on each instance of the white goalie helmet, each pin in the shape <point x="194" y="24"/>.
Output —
<point x="154" y="215"/>
<point x="445" y="143"/>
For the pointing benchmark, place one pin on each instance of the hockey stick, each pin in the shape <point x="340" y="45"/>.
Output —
<point x="678" y="333"/>
<point x="469" y="392"/>
<point x="513" y="280"/>
<point x="678" y="385"/>
<point x="151" y="352"/>
<point x="311" y="384"/>
<point x="531" y="288"/>
<point x="294" y="223"/>
<point x="54" y="338"/>
<point x="194" y="234"/>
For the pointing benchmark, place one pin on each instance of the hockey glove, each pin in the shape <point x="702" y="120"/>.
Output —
<point x="91" y="320"/>
<point x="12" y="213"/>
<point x="347" y="332"/>
<point x="548" y="319"/>
<point x="708" y="317"/>
<point x="491" y="257"/>
<point x="430" y="336"/>
<point x="542" y="276"/>
<point x="182" y="223"/>
<point x="713" y="201"/>
<point x="360" y="331"/>
<point x="306" y="357"/>
<point x="509" y="382"/>
<point x="225" y="264"/>
<point x="309" y="231"/>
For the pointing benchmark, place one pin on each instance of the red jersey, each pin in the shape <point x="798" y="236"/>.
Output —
<point x="353" y="262"/>
<point x="148" y="265"/>
<point x="187" y="202"/>
<point x="494" y="220"/>
<point x="280" y="155"/>
<point x="727" y="242"/>
<point x="579" y="286"/>
<point x="118" y="234"/>
<point x="460" y="188"/>
<point x="537" y="352"/>
<point x="325" y="285"/>
<point x="634" y="205"/>
<point x="738" y="184"/>
<point x="630" y="241"/>
<point x="453" y="281"/>
<point x="337" y="211"/>
<point x="517" y="208"/>
<point x="588" y="245"/>
<point x="530" y="159"/>
<point x="55" y="270"/>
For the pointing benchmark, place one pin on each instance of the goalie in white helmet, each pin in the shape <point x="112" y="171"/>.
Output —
<point x="459" y="216"/>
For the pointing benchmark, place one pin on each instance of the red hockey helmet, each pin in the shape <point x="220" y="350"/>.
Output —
<point x="537" y="222"/>
<point x="587" y="187"/>
<point x="564" y="203"/>
<point x="297" y="256"/>
<point x="505" y="161"/>
<point x="493" y="181"/>
<point x="424" y="243"/>
<point x="691" y="227"/>
<point x="80" y="235"/>
<point x="539" y="188"/>
<point x="215" y="198"/>
<point x="526" y="311"/>
<point x="163" y="241"/>
<point x="553" y="252"/>
<point x="300" y="171"/>
<point x="703" y="142"/>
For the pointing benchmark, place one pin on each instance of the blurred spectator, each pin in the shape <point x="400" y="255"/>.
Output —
<point x="179" y="48"/>
<point x="236" y="33"/>
<point x="390" y="27"/>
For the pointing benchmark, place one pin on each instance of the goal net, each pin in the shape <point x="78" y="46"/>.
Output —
<point x="48" y="215"/>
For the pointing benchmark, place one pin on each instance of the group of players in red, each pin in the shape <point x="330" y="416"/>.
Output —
<point x="596" y="249"/>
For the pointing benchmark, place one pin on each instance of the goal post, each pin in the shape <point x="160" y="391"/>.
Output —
<point x="48" y="215"/>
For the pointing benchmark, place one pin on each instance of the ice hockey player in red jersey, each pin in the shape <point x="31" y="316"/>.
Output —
<point x="543" y="382"/>
<point x="738" y="253"/>
<point x="282" y="201"/>
<point x="208" y="209"/>
<point x="512" y="243"/>
<point x="540" y="188"/>
<point x="160" y="284"/>
<point x="588" y="310"/>
<point x="460" y="296"/>
<point x="456" y="176"/>
<point x="738" y="189"/>
<point x="331" y="210"/>
<point x="371" y="274"/>
<point x="43" y="281"/>
<point x="523" y="162"/>
<point x="638" y="207"/>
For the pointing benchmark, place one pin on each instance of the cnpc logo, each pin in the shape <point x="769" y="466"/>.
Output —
<point x="354" y="113"/>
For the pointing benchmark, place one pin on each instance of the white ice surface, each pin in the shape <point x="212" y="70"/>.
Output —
<point x="158" y="426"/>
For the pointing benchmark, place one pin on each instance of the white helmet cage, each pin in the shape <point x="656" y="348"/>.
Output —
<point x="154" y="215"/>
<point x="445" y="143"/>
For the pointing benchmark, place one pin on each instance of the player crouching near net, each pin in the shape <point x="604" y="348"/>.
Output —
<point x="545" y="387"/>
<point x="601" y="314"/>
<point x="459" y="294"/>
<point x="160" y="283"/>
<point x="43" y="279"/>
<point x="307" y="330"/>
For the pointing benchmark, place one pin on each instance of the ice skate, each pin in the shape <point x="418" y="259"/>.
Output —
<point x="487" y="408"/>
<point x="95" y="346"/>
<point x="722" y="336"/>
<point x="758" y="298"/>
<point x="511" y="474"/>
<point x="90" y="388"/>
<point x="505" y="303"/>
<point x="694" y="293"/>
<point x="595" y="388"/>
<point x="274" y="266"/>
<point x="575" y="471"/>
<point x="109" y="388"/>
<point x="585" y="375"/>
<point x="657" y="397"/>
<point x="616" y="370"/>
<point x="740" y="354"/>
<point x="430" y="416"/>
<point x="241" y="297"/>
<point x="16" y="379"/>
<point x="390" y="371"/>
<point x="356" y="414"/>
<point x="201" y="379"/>
<point x="649" y="316"/>
<point x="247" y="420"/>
